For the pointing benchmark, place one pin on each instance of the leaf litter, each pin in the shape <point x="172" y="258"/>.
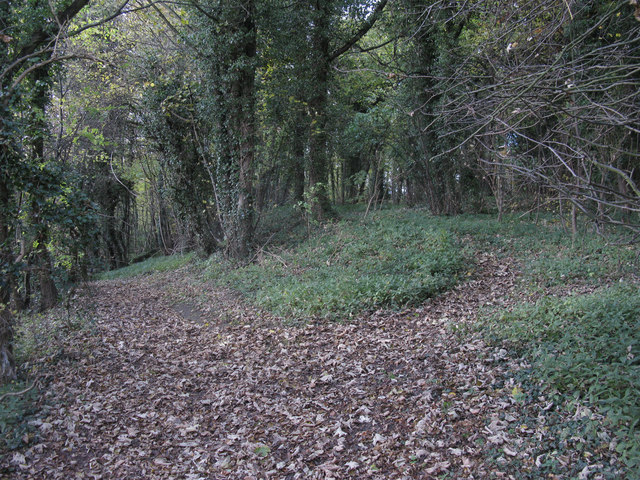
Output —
<point x="180" y="380"/>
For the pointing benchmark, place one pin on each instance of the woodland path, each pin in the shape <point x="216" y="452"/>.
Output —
<point x="178" y="380"/>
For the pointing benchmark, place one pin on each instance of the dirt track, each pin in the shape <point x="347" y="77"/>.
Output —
<point x="177" y="380"/>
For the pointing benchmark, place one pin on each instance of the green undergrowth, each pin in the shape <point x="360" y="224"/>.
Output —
<point x="39" y="335"/>
<point x="549" y="255"/>
<point x="14" y="414"/>
<point x="39" y="340"/>
<point x="151" y="265"/>
<point x="585" y="349"/>
<point x="591" y="261"/>
<point x="281" y="227"/>
<point x="393" y="258"/>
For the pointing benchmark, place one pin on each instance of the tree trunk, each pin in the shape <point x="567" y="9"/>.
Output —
<point x="318" y="171"/>
<point x="233" y="81"/>
<point x="377" y="175"/>
<point x="244" y="120"/>
<point x="297" y="165"/>
<point x="48" y="290"/>
<point x="7" y="361"/>
<point x="352" y="165"/>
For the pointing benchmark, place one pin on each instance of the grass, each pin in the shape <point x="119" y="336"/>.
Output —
<point x="591" y="261"/>
<point x="283" y="227"/>
<point x="584" y="349"/>
<point x="402" y="257"/>
<point x="151" y="265"/>
<point x="394" y="258"/>
<point x="549" y="255"/>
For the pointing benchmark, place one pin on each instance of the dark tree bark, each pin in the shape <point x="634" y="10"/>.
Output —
<point x="7" y="361"/>
<point x="320" y="206"/>
<point x="48" y="290"/>
<point x="298" y="162"/>
<point x="231" y="30"/>
<point x="243" y="121"/>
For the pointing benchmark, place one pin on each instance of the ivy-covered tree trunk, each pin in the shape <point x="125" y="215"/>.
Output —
<point x="297" y="165"/>
<point x="244" y="120"/>
<point x="317" y="111"/>
<point x="48" y="290"/>
<point x="7" y="362"/>
<point x="232" y="41"/>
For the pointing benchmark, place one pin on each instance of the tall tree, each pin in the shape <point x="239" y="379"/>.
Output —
<point x="323" y="54"/>
<point x="22" y="55"/>
<point x="227" y="37"/>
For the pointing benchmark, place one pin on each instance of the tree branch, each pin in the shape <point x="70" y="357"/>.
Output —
<point x="38" y="65"/>
<point x="42" y="36"/>
<point x="366" y="26"/>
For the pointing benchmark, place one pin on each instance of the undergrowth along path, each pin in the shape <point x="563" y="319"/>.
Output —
<point x="180" y="380"/>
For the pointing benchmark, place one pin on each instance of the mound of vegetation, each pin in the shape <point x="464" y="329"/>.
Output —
<point x="395" y="258"/>
<point x="151" y="265"/>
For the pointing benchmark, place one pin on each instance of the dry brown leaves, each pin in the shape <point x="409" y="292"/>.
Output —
<point x="180" y="381"/>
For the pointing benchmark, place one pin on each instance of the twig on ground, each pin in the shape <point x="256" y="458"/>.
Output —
<point x="21" y="392"/>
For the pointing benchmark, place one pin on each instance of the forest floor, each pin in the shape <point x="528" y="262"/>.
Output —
<point x="177" y="379"/>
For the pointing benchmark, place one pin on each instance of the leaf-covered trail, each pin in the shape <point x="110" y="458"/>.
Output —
<point x="160" y="390"/>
